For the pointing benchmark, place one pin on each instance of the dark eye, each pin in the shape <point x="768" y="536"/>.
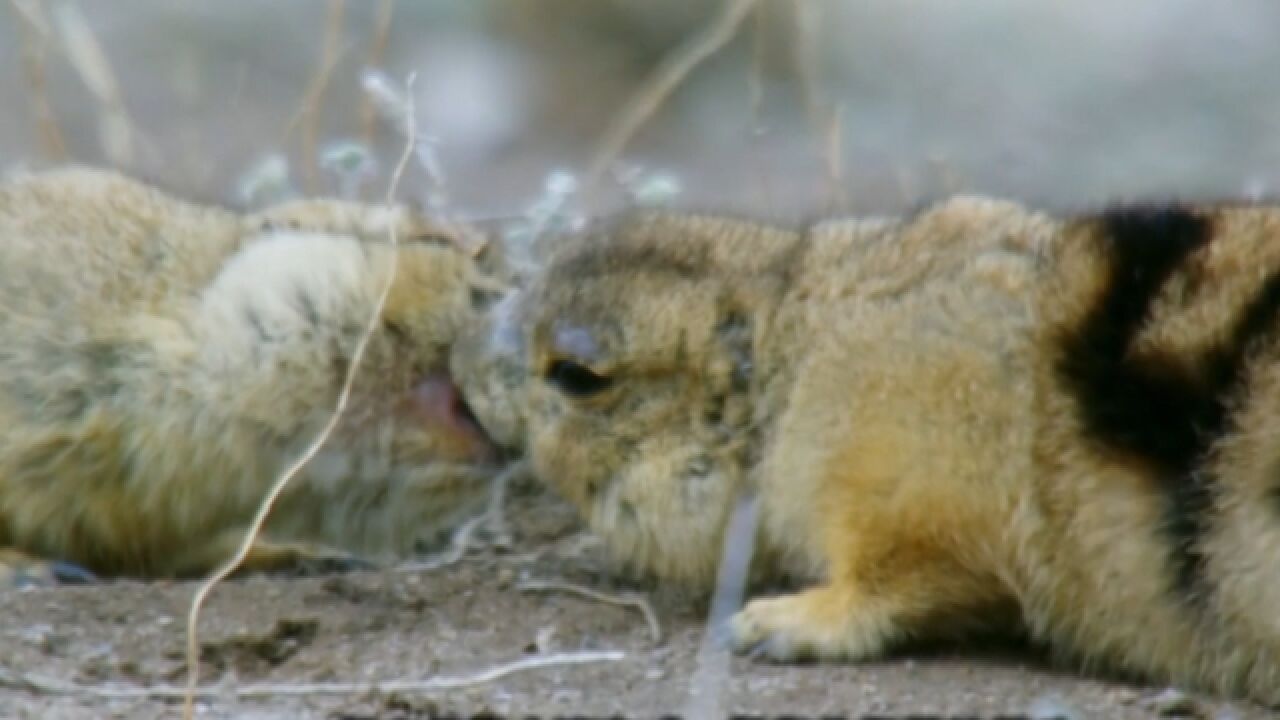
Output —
<point x="576" y="380"/>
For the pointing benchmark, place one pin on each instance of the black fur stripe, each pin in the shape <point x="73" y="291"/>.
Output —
<point x="1139" y="408"/>
<point x="1165" y="413"/>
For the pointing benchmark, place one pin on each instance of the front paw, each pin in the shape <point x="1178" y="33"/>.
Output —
<point x="774" y="629"/>
<point x="23" y="571"/>
<point x="814" y="625"/>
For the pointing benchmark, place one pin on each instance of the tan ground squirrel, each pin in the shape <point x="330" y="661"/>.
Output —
<point x="974" y="416"/>
<point x="162" y="362"/>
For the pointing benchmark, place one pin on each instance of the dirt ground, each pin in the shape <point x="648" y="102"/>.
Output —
<point x="466" y="618"/>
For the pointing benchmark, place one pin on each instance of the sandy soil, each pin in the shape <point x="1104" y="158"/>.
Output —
<point x="473" y="615"/>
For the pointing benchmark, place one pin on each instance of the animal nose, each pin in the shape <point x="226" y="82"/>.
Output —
<point x="488" y="362"/>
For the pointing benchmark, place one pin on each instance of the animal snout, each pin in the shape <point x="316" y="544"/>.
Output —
<point x="436" y="402"/>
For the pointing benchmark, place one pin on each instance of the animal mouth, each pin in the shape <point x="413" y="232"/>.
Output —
<point x="466" y="418"/>
<point x="437" y="403"/>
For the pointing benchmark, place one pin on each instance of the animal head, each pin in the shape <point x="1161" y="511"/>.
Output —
<point x="300" y="293"/>
<point x="627" y="370"/>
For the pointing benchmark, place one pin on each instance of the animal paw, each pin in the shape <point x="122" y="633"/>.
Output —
<point x="18" y="569"/>
<point x="813" y="625"/>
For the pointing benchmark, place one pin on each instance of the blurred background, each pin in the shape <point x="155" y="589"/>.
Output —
<point x="809" y="106"/>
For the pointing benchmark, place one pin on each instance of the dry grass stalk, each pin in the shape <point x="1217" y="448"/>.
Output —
<point x="627" y="600"/>
<point x="755" y="78"/>
<point x="377" y="53"/>
<point x="825" y="118"/>
<point x="313" y="100"/>
<point x="193" y="617"/>
<point x="839" y="196"/>
<point x="668" y="76"/>
<point x="495" y="514"/>
<point x="53" y="686"/>
<point x="458" y="546"/>
<point x="115" y="129"/>
<point x="310" y="101"/>
<point x="460" y="542"/>
<point x="35" y="53"/>
<point x="806" y="18"/>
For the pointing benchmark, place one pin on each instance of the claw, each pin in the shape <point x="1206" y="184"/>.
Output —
<point x="67" y="573"/>
<point x="51" y="573"/>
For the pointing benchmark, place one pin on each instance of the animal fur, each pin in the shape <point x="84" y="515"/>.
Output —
<point x="162" y="362"/>
<point x="974" y="409"/>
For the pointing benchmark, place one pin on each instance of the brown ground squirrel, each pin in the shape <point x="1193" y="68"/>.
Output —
<point x="974" y="416"/>
<point x="162" y="363"/>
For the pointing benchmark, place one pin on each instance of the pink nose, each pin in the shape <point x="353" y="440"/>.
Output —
<point x="436" y="401"/>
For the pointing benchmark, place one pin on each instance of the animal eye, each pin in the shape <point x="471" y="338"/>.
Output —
<point x="576" y="380"/>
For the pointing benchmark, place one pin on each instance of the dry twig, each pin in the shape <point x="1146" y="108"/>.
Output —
<point x="318" y="83"/>
<point x="628" y="600"/>
<point x="115" y="129"/>
<point x="458" y="546"/>
<point x="825" y="117"/>
<point x="461" y="541"/>
<point x="659" y="86"/>
<point x="755" y="78"/>
<point x="35" y="53"/>
<point x="377" y="52"/>
<point x="393" y="105"/>
<point x="313" y="99"/>
<point x="495" y="513"/>
<point x="806" y="18"/>
<point x="193" y="646"/>
<point x="54" y="686"/>
<point x="835" y="160"/>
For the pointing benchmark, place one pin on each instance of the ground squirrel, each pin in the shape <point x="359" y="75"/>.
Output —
<point x="163" y="362"/>
<point x="975" y="416"/>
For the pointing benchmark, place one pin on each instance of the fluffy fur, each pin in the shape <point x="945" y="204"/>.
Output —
<point x="978" y="415"/>
<point x="162" y="362"/>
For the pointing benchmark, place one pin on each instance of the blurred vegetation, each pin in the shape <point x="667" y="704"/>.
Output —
<point x="814" y="106"/>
